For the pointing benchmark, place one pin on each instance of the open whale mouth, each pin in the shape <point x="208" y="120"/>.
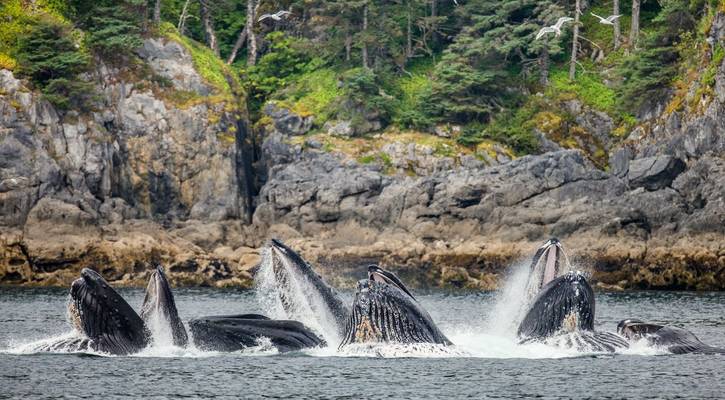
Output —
<point x="159" y="311"/>
<point x="635" y="329"/>
<point x="549" y="262"/>
<point x="99" y="312"/>
<point x="384" y="310"/>
<point x="565" y="303"/>
<point x="377" y="274"/>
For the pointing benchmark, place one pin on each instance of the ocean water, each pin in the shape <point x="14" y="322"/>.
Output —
<point x="486" y="361"/>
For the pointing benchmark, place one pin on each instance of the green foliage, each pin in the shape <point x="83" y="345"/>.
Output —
<point x="113" y="27"/>
<point x="471" y="82"/>
<point x="411" y="110"/>
<point x="67" y="93"/>
<point x="364" y="96"/>
<point x="207" y="64"/>
<point x="650" y="70"/>
<point x="51" y="59"/>
<point x="513" y="127"/>
<point x="18" y="19"/>
<point x="277" y="67"/>
<point x="313" y="93"/>
<point x="587" y="87"/>
<point x="113" y="31"/>
<point x="708" y="77"/>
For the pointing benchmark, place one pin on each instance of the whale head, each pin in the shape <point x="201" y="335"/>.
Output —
<point x="100" y="313"/>
<point x="564" y="304"/>
<point x="548" y="263"/>
<point x="384" y="310"/>
<point x="295" y="281"/>
<point x="159" y="307"/>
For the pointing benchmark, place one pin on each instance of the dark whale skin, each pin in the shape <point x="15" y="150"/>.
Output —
<point x="227" y="333"/>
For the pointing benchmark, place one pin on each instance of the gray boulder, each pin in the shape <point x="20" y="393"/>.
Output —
<point x="654" y="173"/>
<point x="287" y="122"/>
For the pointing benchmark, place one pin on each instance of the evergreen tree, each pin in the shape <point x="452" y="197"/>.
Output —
<point x="473" y="77"/>
<point x="649" y="72"/>
<point x="51" y="59"/>
<point x="114" y="27"/>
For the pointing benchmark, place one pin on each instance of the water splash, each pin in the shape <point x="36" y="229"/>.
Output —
<point x="159" y="326"/>
<point x="511" y="303"/>
<point x="290" y="295"/>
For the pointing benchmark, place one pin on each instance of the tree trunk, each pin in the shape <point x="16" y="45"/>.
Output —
<point x="409" y="34"/>
<point x="237" y="45"/>
<point x="251" y="37"/>
<point x="634" y="31"/>
<point x="157" y="12"/>
<point x="544" y="64"/>
<point x="207" y="23"/>
<point x="348" y="45"/>
<point x="575" y="41"/>
<point x="365" y="32"/>
<point x="182" y="18"/>
<point x="617" y="30"/>
<point x="434" y="26"/>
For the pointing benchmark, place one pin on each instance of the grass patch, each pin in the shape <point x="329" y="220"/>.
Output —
<point x="211" y="68"/>
<point x="587" y="87"/>
<point x="313" y="93"/>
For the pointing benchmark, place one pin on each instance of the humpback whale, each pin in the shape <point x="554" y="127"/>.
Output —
<point x="235" y="332"/>
<point x="159" y="307"/>
<point x="675" y="340"/>
<point x="104" y="317"/>
<point x="296" y="282"/>
<point x="563" y="313"/>
<point x="384" y="310"/>
<point x="104" y="322"/>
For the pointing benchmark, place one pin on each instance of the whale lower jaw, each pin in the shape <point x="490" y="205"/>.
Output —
<point x="237" y="332"/>
<point x="584" y="341"/>
<point x="384" y="313"/>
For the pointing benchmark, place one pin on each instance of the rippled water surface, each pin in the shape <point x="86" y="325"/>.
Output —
<point x="486" y="363"/>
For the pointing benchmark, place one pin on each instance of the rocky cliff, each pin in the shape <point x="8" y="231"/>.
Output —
<point x="162" y="151"/>
<point x="161" y="172"/>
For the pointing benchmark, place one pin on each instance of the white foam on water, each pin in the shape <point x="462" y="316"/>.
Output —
<point x="304" y="303"/>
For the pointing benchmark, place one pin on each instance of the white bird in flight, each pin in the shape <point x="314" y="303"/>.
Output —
<point x="607" y="21"/>
<point x="556" y="28"/>
<point x="276" y="16"/>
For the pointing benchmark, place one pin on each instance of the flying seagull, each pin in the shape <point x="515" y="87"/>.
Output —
<point x="276" y="16"/>
<point x="607" y="21"/>
<point x="556" y="28"/>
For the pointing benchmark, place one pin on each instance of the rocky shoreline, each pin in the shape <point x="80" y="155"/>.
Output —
<point x="145" y="180"/>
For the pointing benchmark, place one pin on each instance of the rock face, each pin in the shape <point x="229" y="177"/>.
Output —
<point x="139" y="155"/>
<point x="287" y="122"/>
<point x="654" y="173"/>
<point x="144" y="179"/>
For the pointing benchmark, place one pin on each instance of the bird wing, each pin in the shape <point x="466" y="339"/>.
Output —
<point x="562" y="20"/>
<point x="611" y="18"/>
<point x="543" y="31"/>
<point x="263" y="17"/>
<point x="282" y="13"/>
<point x="600" y="18"/>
